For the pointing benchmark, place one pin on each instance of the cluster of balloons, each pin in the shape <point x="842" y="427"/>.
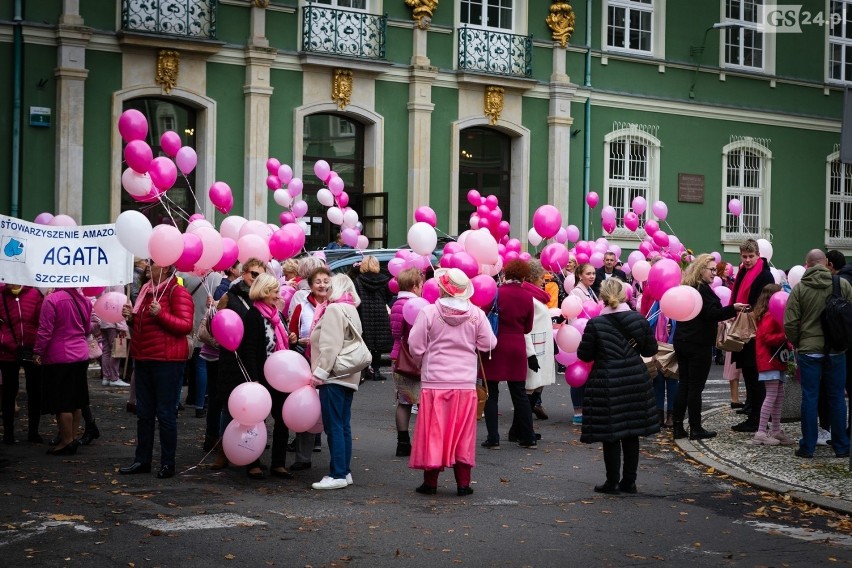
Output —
<point x="488" y="215"/>
<point x="339" y="213"/>
<point x="147" y="177"/>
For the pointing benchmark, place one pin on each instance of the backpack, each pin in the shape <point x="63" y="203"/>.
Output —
<point x="837" y="319"/>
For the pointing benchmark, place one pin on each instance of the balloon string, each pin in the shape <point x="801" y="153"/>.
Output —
<point x="191" y="192"/>
<point x="242" y="368"/>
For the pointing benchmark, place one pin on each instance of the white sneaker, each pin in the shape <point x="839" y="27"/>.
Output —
<point x="415" y="408"/>
<point x="330" y="483"/>
<point x="104" y="382"/>
<point x="118" y="383"/>
<point x="349" y="479"/>
<point x="823" y="437"/>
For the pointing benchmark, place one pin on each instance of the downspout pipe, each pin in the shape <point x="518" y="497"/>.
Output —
<point x="587" y="120"/>
<point x="17" y="72"/>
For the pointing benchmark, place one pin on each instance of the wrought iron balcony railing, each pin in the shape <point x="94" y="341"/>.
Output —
<point x="184" y="18"/>
<point x="495" y="52"/>
<point x="343" y="32"/>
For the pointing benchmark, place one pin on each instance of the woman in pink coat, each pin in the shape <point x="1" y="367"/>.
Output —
<point x="445" y="339"/>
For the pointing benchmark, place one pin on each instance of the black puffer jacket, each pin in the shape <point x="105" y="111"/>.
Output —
<point x="701" y="330"/>
<point x="372" y="287"/>
<point x="230" y="374"/>
<point x="618" y="401"/>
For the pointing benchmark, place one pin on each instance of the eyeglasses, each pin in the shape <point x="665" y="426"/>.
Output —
<point x="254" y="274"/>
<point x="711" y="268"/>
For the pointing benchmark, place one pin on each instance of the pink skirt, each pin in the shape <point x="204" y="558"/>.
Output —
<point x="445" y="433"/>
<point x="730" y="371"/>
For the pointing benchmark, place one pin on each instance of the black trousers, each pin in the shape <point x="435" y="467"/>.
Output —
<point x="613" y="451"/>
<point x="11" y="384"/>
<point x="694" y="362"/>
<point x="755" y="393"/>
<point x="522" y="425"/>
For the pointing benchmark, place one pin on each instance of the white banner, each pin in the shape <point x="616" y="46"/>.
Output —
<point x="62" y="257"/>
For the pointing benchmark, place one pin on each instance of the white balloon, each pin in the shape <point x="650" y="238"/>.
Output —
<point x="335" y="215"/>
<point x="325" y="197"/>
<point x="230" y="227"/>
<point x="304" y="226"/>
<point x="133" y="230"/>
<point x="422" y="238"/>
<point x="350" y="219"/>
<point x="282" y="197"/>
<point x="765" y="248"/>
<point x="795" y="275"/>
<point x="533" y="237"/>
<point x="197" y="224"/>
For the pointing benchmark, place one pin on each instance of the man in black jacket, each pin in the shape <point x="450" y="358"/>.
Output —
<point x="608" y="270"/>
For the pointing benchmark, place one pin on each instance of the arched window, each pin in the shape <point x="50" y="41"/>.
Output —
<point x="838" y="202"/>
<point x="339" y="141"/>
<point x="485" y="164"/>
<point x="164" y="115"/>
<point x="632" y="168"/>
<point x="746" y="162"/>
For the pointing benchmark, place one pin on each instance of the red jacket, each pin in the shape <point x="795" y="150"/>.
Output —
<point x="770" y="335"/>
<point x="163" y="337"/>
<point x="508" y="361"/>
<point x="23" y="313"/>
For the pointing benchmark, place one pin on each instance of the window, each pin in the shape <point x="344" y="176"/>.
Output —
<point x="632" y="155"/>
<point x="630" y="25"/>
<point x="840" y="41"/>
<point x="496" y="14"/>
<point x="485" y="164"/>
<point x="744" y="44"/>
<point x="348" y="4"/>
<point x="746" y="163"/>
<point x="839" y="202"/>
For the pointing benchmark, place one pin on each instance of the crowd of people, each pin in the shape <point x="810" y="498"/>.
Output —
<point x="437" y="358"/>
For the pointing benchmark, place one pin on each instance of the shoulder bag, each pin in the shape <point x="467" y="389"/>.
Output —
<point x="354" y="357"/>
<point x="481" y="389"/>
<point x="405" y="364"/>
<point x="22" y="354"/>
<point x="95" y="350"/>
<point x="493" y="315"/>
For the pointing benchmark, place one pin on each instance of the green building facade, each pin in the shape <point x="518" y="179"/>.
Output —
<point x="414" y="102"/>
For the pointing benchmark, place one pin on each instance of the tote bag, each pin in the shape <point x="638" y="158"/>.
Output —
<point x="354" y="357"/>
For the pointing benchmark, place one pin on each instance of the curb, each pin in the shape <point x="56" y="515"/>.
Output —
<point x="708" y="457"/>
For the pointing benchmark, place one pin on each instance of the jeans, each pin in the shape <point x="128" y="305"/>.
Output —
<point x="157" y="385"/>
<point x="694" y="362"/>
<point x="577" y="398"/>
<point x="214" y="412"/>
<point x="9" y="371"/>
<point x="522" y="418"/>
<point x="336" y="404"/>
<point x="665" y="390"/>
<point x="200" y="379"/>
<point x="815" y="370"/>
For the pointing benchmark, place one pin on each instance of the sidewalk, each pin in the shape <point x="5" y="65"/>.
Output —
<point x="824" y="481"/>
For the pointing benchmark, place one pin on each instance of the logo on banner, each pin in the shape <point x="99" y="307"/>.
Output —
<point x="14" y="249"/>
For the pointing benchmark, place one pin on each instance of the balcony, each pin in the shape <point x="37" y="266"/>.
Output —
<point x="496" y="53"/>
<point x="191" y="19"/>
<point x="343" y="33"/>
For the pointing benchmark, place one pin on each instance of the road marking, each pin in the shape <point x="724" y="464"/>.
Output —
<point x="28" y="529"/>
<point x="199" y="522"/>
<point x="800" y="534"/>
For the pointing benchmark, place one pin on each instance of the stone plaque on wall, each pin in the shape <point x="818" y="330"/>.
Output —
<point x="690" y="188"/>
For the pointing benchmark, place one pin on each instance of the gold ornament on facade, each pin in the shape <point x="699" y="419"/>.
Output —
<point x="168" y="65"/>
<point x="561" y="21"/>
<point x="493" y="103"/>
<point x="422" y="11"/>
<point x="341" y="88"/>
<point x="260" y="3"/>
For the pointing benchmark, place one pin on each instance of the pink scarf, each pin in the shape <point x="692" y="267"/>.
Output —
<point x="156" y="291"/>
<point x="749" y="276"/>
<point x="320" y="309"/>
<point x="272" y="316"/>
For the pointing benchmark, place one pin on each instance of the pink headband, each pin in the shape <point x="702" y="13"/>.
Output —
<point x="449" y="286"/>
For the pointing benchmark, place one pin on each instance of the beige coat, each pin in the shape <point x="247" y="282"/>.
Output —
<point x="327" y="340"/>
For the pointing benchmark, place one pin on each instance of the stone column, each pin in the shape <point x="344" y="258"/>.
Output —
<point x="559" y="121"/>
<point x="72" y="38"/>
<point x="420" y="108"/>
<point x="257" y="90"/>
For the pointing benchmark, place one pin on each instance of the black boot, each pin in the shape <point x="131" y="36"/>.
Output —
<point x="403" y="444"/>
<point x="678" y="432"/>
<point x="90" y="434"/>
<point x="699" y="433"/>
<point x="661" y="416"/>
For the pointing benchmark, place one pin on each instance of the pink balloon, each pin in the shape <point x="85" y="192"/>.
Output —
<point x="343" y="199"/>
<point x="300" y="208"/>
<point x="93" y="291"/>
<point x="484" y="290"/>
<point x="568" y="338"/>
<point x="273" y="183"/>
<point x="287" y="371"/>
<point x="724" y="294"/>
<point x="491" y="202"/>
<point x="412" y="307"/>
<point x="466" y="263"/>
<point x="336" y="186"/>
<point x="186" y="160"/>
<point x="221" y="196"/>
<point x="165" y="245"/>
<point x="592" y="199"/>
<point x="249" y="403"/>
<point x="573" y="233"/>
<point x="230" y="252"/>
<point x="243" y="443"/>
<point x="565" y="358"/>
<point x="591" y="309"/>
<point x="641" y="269"/>
<point x="473" y="197"/>
<point x="482" y="247"/>
<point x="393" y="286"/>
<point x="285" y="173"/>
<point x="547" y="220"/>
<point x="639" y="205"/>
<point x="651" y="227"/>
<point x="608" y="225"/>
<point x="281" y="245"/>
<point x="108" y="307"/>
<point x="661" y="239"/>
<point x="608" y="213"/>
<point x="321" y="169"/>
<point x="231" y="226"/>
<point x="132" y="125"/>
<point x="577" y="374"/>
<point x="163" y="172"/>
<point x="192" y="249"/>
<point x="170" y="142"/>
<point x="425" y="214"/>
<point x="561" y="236"/>
<point x="679" y="303"/>
<point x="349" y="236"/>
<point x="213" y="249"/>
<point x="316" y="428"/>
<point x="597" y="259"/>
<point x="579" y="324"/>
<point x="272" y="166"/>
<point x="663" y="275"/>
<point x="43" y="218"/>
<point x="777" y="304"/>
<point x="227" y="329"/>
<point x="735" y="207"/>
<point x="554" y="257"/>
<point x="295" y="187"/>
<point x="63" y="221"/>
<point x="431" y="291"/>
<point x="660" y="209"/>
<point x="285" y="218"/>
<point x="363" y="242"/>
<point x="631" y="220"/>
<point x="571" y="307"/>
<point x="138" y="155"/>
<point x="301" y="409"/>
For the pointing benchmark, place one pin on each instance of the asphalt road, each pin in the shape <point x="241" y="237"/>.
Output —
<point x="530" y="507"/>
